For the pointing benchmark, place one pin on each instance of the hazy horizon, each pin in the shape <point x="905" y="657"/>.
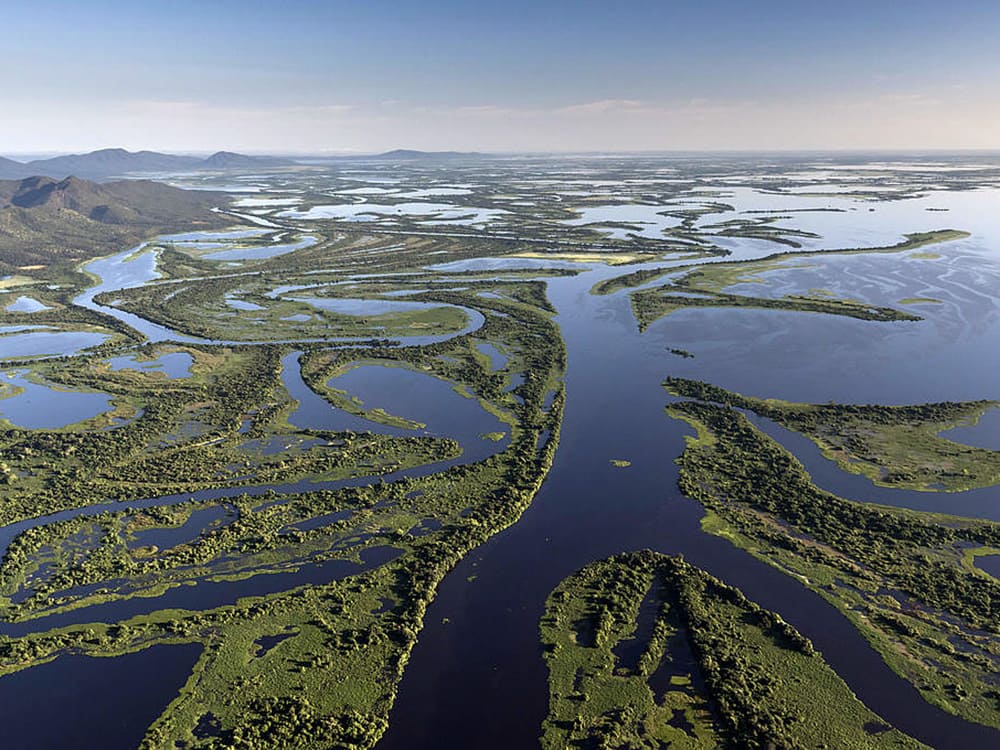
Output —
<point x="736" y="153"/>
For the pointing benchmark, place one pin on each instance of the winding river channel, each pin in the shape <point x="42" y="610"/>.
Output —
<point x="476" y="677"/>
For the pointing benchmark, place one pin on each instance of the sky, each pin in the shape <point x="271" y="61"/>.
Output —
<point x="304" y="76"/>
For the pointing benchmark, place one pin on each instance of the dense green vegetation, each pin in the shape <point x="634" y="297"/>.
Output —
<point x="45" y="222"/>
<point x="333" y="680"/>
<point x="900" y="576"/>
<point x="647" y="651"/>
<point x="302" y="560"/>
<point x="895" y="446"/>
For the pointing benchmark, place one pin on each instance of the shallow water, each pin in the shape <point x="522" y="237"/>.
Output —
<point x="46" y="407"/>
<point x="427" y="213"/>
<point x="984" y="434"/>
<point x="262" y="252"/>
<point x="204" y="594"/>
<point x="197" y="522"/>
<point x="172" y="364"/>
<point x="26" y="305"/>
<point x="425" y="399"/>
<point x="989" y="564"/>
<point x="48" y="343"/>
<point x="826" y="474"/>
<point x="498" y="360"/>
<point x="479" y="648"/>
<point x="645" y="221"/>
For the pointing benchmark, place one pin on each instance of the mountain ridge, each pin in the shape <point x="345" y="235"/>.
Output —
<point x="43" y="220"/>
<point x="115" y="162"/>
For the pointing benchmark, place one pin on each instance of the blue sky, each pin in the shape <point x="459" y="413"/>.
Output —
<point x="303" y="76"/>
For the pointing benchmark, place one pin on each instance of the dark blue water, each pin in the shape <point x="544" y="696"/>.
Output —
<point x="416" y="396"/>
<point x="196" y="523"/>
<point x="202" y="594"/>
<point x="171" y="364"/>
<point x="477" y="678"/>
<point x="85" y="702"/>
<point x="983" y="434"/>
<point x="825" y="473"/>
<point x="40" y="406"/>
<point x="498" y="360"/>
<point x="989" y="564"/>
<point x="426" y="400"/>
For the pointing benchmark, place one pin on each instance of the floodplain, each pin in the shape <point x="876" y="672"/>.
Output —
<point x="385" y="457"/>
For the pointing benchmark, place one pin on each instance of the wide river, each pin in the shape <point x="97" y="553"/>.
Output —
<point x="476" y="677"/>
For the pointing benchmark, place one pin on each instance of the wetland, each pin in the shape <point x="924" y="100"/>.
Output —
<point x="644" y="451"/>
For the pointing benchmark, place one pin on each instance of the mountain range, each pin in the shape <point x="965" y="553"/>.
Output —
<point x="407" y="154"/>
<point x="116" y="162"/>
<point x="44" y="220"/>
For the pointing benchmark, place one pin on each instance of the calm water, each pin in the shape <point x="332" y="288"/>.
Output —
<point x="38" y="406"/>
<point x="479" y="649"/>
<point x="172" y="364"/>
<point x="48" y="343"/>
<point x="978" y="503"/>
<point x="27" y="305"/>
<point x="74" y="700"/>
<point x="478" y="662"/>
<point x="262" y="252"/>
<point x="204" y="594"/>
<point x="990" y="564"/>
<point x="983" y="434"/>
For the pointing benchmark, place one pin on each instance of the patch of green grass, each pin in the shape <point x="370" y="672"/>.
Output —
<point x="899" y="576"/>
<point x="894" y="446"/>
<point x="645" y="651"/>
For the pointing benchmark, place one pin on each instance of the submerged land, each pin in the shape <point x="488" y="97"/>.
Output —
<point x="291" y="423"/>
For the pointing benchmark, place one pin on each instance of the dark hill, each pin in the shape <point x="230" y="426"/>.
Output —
<point x="44" y="220"/>
<point x="112" y="161"/>
<point x="117" y="162"/>
<point x="229" y="160"/>
<point x="12" y="170"/>
<point x="405" y="154"/>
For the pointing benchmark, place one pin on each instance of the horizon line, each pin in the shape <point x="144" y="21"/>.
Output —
<point x="335" y="154"/>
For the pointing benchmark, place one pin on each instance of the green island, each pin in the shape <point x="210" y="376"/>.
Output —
<point x="902" y="577"/>
<point x="704" y="285"/>
<point x="894" y="446"/>
<point x="645" y="651"/>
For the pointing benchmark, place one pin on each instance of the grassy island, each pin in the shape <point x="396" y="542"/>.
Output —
<point x="647" y="651"/>
<point x="901" y="577"/>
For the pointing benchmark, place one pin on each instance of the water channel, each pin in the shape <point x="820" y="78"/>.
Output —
<point x="476" y="677"/>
